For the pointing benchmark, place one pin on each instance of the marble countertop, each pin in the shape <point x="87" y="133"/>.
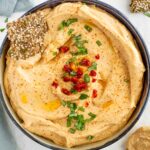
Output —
<point x="22" y="142"/>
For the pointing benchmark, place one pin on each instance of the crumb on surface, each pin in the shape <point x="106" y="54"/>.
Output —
<point x="140" y="5"/>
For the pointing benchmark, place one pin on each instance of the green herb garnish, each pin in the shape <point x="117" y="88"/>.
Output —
<point x="98" y="43"/>
<point x="86" y="78"/>
<point x="63" y="103"/>
<point x="81" y="108"/>
<point x="76" y="119"/>
<point x="70" y="31"/>
<point x="73" y="59"/>
<point x="80" y="124"/>
<point x="147" y="14"/>
<point x="73" y="73"/>
<point x="69" y="122"/>
<point x="73" y="91"/>
<point x="72" y="106"/>
<point x="72" y="130"/>
<point x="83" y="96"/>
<point x="54" y="53"/>
<point x="2" y="29"/>
<point x="66" y="23"/>
<point x="6" y="20"/>
<point x="90" y="137"/>
<point x="91" y="115"/>
<point x="88" y="28"/>
<point x="93" y="66"/>
<point x="82" y="50"/>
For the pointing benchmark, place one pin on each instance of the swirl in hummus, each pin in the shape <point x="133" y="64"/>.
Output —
<point x="84" y="85"/>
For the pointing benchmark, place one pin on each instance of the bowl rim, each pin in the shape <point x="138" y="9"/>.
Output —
<point x="117" y="14"/>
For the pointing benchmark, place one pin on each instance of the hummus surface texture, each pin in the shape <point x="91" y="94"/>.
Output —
<point x="85" y="85"/>
<point x="140" y="139"/>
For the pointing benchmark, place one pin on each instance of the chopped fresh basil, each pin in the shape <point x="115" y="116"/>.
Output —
<point x="6" y="20"/>
<point x="54" y="53"/>
<point x="72" y="106"/>
<point x="88" y="28"/>
<point x="93" y="66"/>
<point x="98" y="43"/>
<point x="65" y="74"/>
<point x="63" y="103"/>
<point x="73" y="59"/>
<point x="83" y="96"/>
<point x="69" y="122"/>
<point x="66" y="23"/>
<point x="70" y="31"/>
<point x="73" y="91"/>
<point x="147" y="14"/>
<point x="91" y="115"/>
<point x="62" y="25"/>
<point x="86" y="78"/>
<point x="73" y="73"/>
<point x="70" y="21"/>
<point x="77" y="37"/>
<point x="72" y="130"/>
<point x="80" y="124"/>
<point x="90" y="137"/>
<point x="72" y="115"/>
<point x="2" y="29"/>
<point x="76" y="119"/>
<point x="81" y="108"/>
<point x="82" y="50"/>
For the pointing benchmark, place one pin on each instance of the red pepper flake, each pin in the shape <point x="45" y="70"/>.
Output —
<point x="65" y="91"/>
<point x="94" y="94"/>
<point x="79" y="72"/>
<point x="67" y="68"/>
<point x="97" y="56"/>
<point x="85" y="62"/>
<point x="86" y="104"/>
<point x="80" y="86"/>
<point x="66" y="79"/>
<point x="64" y="49"/>
<point x="92" y="73"/>
<point x="55" y="84"/>
<point x="74" y="80"/>
<point x="93" y="80"/>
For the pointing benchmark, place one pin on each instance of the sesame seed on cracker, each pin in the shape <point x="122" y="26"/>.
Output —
<point x="26" y="36"/>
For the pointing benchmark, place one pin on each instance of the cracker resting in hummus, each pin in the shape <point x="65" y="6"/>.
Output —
<point x="140" y="139"/>
<point x="84" y="85"/>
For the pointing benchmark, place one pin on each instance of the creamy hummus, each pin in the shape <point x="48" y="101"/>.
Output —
<point x="140" y="139"/>
<point x="86" y="83"/>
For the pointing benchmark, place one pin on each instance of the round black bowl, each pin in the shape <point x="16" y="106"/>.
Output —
<point x="143" y="99"/>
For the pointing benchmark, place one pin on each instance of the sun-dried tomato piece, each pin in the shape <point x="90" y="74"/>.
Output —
<point x="74" y="80"/>
<point x="65" y="91"/>
<point x="55" y="84"/>
<point x="93" y="80"/>
<point x="97" y="56"/>
<point x="86" y="104"/>
<point x="92" y="73"/>
<point x="80" y="86"/>
<point x="79" y="72"/>
<point x="64" y="49"/>
<point x="94" y="94"/>
<point x="67" y="68"/>
<point x="66" y="79"/>
<point x="85" y="62"/>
